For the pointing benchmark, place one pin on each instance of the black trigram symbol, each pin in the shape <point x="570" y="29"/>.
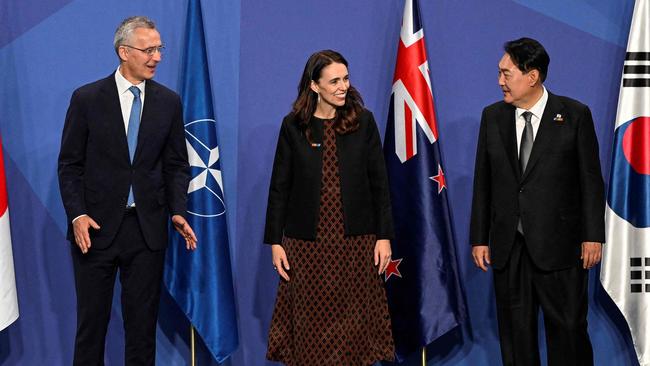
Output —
<point x="636" y="72"/>
<point x="639" y="270"/>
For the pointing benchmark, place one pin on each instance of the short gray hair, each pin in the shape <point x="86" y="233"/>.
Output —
<point x="126" y="28"/>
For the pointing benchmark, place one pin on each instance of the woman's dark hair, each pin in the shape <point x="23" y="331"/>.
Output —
<point x="346" y="119"/>
<point x="528" y="54"/>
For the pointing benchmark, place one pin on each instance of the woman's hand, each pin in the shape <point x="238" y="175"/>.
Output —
<point x="280" y="261"/>
<point x="382" y="255"/>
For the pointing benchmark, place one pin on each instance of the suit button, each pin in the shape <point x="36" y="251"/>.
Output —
<point x="521" y="189"/>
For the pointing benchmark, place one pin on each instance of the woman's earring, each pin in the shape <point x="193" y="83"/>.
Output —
<point x="318" y="98"/>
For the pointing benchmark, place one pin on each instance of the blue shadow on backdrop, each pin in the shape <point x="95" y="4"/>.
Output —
<point x="256" y="50"/>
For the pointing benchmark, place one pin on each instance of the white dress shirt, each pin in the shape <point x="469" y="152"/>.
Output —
<point x="126" y="97"/>
<point x="126" y="102"/>
<point x="537" y="110"/>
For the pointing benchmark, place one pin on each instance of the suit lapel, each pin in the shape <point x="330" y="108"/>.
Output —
<point x="147" y="121"/>
<point x="544" y="136"/>
<point x="508" y="131"/>
<point x="111" y="100"/>
<point x="317" y="127"/>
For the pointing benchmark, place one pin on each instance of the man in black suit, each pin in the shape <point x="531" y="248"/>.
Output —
<point x="539" y="204"/>
<point x="123" y="171"/>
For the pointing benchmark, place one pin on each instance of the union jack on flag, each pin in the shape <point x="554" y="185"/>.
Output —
<point x="425" y="297"/>
<point x="412" y="97"/>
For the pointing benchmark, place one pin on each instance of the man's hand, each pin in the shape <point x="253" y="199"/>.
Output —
<point x="382" y="255"/>
<point x="481" y="256"/>
<point x="81" y="227"/>
<point x="280" y="261"/>
<point x="183" y="228"/>
<point x="591" y="254"/>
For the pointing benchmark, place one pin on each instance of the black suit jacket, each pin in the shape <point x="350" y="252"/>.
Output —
<point x="95" y="171"/>
<point x="294" y="192"/>
<point x="560" y="196"/>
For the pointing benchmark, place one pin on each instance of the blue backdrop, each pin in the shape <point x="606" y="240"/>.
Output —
<point x="257" y="50"/>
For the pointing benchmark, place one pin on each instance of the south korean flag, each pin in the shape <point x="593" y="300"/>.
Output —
<point x="625" y="272"/>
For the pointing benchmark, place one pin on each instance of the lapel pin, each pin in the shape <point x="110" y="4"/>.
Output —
<point x="558" y="118"/>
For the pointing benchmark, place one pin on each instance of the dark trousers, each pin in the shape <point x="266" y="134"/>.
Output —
<point x="521" y="289"/>
<point x="140" y="276"/>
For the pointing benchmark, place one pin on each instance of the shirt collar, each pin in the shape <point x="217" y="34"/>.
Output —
<point x="538" y="109"/>
<point x="123" y="85"/>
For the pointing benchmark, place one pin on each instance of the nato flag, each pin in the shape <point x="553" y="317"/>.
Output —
<point x="201" y="281"/>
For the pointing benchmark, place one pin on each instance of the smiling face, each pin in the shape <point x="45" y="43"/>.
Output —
<point x="519" y="89"/>
<point x="137" y="65"/>
<point x="332" y="86"/>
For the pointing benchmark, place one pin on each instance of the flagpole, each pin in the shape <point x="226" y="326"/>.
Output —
<point x="208" y="305"/>
<point x="424" y="356"/>
<point x="423" y="220"/>
<point x="192" y="345"/>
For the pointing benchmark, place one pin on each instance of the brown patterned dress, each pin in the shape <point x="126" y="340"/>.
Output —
<point x="333" y="311"/>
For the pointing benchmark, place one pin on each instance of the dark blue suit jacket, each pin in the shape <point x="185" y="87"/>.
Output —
<point x="560" y="196"/>
<point x="95" y="171"/>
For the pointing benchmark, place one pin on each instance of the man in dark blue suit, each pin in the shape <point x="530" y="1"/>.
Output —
<point x="538" y="210"/>
<point x="123" y="171"/>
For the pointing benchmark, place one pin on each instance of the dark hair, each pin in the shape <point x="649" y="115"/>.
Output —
<point x="346" y="119"/>
<point x="528" y="54"/>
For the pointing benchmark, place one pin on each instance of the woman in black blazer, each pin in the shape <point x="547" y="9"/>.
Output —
<point x="329" y="225"/>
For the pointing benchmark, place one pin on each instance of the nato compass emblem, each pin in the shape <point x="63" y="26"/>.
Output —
<point x="205" y="192"/>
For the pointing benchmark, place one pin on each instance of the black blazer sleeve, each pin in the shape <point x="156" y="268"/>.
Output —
<point x="175" y="163"/>
<point x="279" y="188"/>
<point x="378" y="182"/>
<point x="481" y="202"/>
<point x="72" y="158"/>
<point x="592" y="189"/>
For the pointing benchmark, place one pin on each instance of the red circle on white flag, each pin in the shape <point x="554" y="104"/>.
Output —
<point x="636" y="145"/>
<point x="3" y="185"/>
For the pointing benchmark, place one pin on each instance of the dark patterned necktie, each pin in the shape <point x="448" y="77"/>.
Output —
<point x="524" y="152"/>
<point x="526" y="142"/>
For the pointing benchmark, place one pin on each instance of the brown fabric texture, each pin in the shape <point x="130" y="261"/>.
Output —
<point x="333" y="311"/>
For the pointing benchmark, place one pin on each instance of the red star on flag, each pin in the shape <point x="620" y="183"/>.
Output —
<point x="392" y="269"/>
<point x="440" y="179"/>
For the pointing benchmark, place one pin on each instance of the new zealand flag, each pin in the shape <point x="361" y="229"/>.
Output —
<point x="425" y="297"/>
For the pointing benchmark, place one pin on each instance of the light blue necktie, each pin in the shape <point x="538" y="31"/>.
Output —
<point x="132" y="131"/>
